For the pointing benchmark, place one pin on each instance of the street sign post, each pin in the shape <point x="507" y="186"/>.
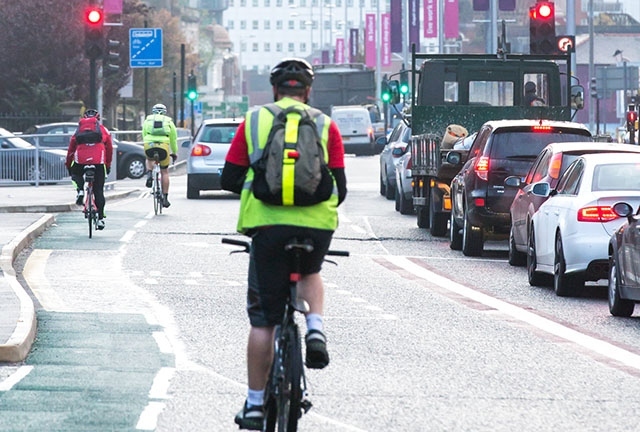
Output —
<point x="145" y="47"/>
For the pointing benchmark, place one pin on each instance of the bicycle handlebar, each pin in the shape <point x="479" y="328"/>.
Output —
<point x="247" y="247"/>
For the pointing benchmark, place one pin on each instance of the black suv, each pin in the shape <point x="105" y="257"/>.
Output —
<point x="480" y="201"/>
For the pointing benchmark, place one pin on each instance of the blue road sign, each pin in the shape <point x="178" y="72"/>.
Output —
<point x="145" y="47"/>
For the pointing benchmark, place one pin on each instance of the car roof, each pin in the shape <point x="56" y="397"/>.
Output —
<point x="230" y="120"/>
<point x="569" y="147"/>
<point x="607" y="158"/>
<point x="497" y="124"/>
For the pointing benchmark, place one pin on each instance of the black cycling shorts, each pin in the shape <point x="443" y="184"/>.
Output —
<point x="269" y="269"/>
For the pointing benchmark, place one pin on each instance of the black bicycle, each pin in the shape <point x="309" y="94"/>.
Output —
<point x="90" y="209"/>
<point x="286" y="392"/>
<point x="156" y="188"/>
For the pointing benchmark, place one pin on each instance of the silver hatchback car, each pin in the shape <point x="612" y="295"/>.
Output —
<point x="207" y="154"/>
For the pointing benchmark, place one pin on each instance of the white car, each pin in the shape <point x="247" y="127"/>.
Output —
<point x="570" y="232"/>
<point x="207" y="154"/>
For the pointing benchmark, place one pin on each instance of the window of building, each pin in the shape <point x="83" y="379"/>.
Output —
<point x="243" y="3"/>
<point x="291" y="47"/>
<point x="292" y="25"/>
<point x="279" y="47"/>
<point x="243" y="25"/>
<point x="279" y="3"/>
<point x="230" y="24"/>
<point x="267" y="47"/>
<point x="267" y="3"/>
<point x="254" y="3"/>
<point x="254" y="47"/>
<point x="255" y="25"/>
<point x="279" y="25"/>
<point x="267" y="25"/>
<point x="303" y="47"/>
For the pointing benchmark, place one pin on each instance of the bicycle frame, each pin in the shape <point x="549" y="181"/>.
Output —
<point x="90" y="209"/>
<point x="286" y="397"/>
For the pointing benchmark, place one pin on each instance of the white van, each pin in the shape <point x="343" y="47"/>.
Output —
<point x="356" y="128"/>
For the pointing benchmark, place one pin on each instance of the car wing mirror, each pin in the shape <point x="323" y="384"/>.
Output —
<point x="186" y="144"/>
<point x="513" y="181"/>
<point x="577" y="97"/>
<point x="542" y="189"/>
<point x="454" y="158"/>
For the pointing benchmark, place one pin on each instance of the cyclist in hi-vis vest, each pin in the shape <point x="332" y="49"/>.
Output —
<point x="99" y="154"/>
<point x="271" y="226"/>
<point x="159" y="135"/>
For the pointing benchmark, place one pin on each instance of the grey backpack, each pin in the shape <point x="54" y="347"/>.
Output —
<point x="292" y="169"/>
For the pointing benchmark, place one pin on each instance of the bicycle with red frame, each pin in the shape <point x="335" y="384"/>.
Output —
<point x="90" y="209"/>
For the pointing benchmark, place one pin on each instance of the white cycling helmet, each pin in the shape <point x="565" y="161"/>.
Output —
<point x="159" y="109"/>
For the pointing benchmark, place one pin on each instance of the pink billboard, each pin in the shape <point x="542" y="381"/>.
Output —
<point x="339" y="51"/>
<point x="451" y="28"/>
<point x="385" y="35"/>
<point x="430" y="18"/>
<point x="370" y="49"/>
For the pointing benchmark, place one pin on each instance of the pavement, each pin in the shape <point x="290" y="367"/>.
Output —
<point x="26" y="212"/>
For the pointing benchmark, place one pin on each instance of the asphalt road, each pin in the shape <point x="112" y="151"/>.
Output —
<point x="146" y="322"/>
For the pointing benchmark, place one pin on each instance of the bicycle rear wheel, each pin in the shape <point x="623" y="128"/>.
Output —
<point x="90" y="213"/>
<point x="157" y="194"/>
<point x="283" y="403"/>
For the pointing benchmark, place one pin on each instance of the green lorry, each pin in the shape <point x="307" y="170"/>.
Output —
<point x="468" y="90"/>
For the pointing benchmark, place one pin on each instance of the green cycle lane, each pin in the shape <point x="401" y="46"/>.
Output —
<point x="88" y="370"/>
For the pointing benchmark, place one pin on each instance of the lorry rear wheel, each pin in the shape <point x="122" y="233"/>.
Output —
<point x="423" y="217"/>
<point x="438" y="220"/>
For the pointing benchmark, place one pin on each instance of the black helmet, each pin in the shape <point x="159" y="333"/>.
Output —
<point x="292" y="72"/>
<point x="529" y="87"/>
<point x="91" y="113"/>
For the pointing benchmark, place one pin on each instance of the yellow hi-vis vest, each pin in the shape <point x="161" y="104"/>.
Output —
<point x="255" y="213"/>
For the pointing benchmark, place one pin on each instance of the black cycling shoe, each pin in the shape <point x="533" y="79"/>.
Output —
<point x="317" y="355"/>
<point x="250" y="417"/>
<point x="165" y="202"/>
<point x="149" y="182"/>
<point x="80" y="197"/>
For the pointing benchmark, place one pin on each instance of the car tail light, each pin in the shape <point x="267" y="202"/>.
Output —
<point x="200" y="150"/>
<point x="478" y="202"/>
<point x="409" y="164"/>
<point x="555" y="165"/>
<point x="596" y="214"/>
<point x="482" y="168"/>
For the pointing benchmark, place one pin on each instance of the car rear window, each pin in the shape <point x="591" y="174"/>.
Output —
<point x="621" y="176"/>
<point x="221" y="134"/>
<point x="513" y="144"/>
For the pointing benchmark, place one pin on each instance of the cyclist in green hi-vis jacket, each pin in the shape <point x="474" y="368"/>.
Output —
<point x="271" y="226"/>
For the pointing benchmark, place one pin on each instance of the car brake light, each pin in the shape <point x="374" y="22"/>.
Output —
<point x="542" y="129"/>
<point x="478" y="202"/>
<point x="200" y="150"/>
<point x="555" y="165"/>
<point x="482" y="168"/>
<point x="596" y="214"/>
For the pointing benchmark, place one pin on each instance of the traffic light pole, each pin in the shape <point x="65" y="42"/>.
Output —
<point x="93" y="92"/>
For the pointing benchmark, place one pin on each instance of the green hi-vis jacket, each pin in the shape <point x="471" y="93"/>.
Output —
<point x="169" y="135"/>
<point x="255" y="213"/>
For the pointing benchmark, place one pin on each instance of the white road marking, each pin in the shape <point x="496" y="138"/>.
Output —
<point x="15" y="378"/>
<point x="598" y="346"/>
<point x="126" y="238"/>
<point x="148" y="420"/>
<point x="34" y="274"/>
<point x="160" y="387"/>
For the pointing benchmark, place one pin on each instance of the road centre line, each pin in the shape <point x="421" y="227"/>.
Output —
<point x="604" y="349"/>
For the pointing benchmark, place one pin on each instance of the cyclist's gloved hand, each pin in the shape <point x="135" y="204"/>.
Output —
<point x="174" y="157"/>
<point x="108" y="170"/>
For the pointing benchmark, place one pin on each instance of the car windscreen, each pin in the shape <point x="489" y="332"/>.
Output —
<point x="219" y="134"/>
<point x="527" y="143"/>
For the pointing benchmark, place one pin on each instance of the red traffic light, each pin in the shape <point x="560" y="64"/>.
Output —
<point x="542" y="11"/>
<point x="94" y="16"/>
<point x="632" y="116"/>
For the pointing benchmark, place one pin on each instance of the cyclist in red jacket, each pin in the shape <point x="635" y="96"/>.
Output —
<point x="99" y="154"/>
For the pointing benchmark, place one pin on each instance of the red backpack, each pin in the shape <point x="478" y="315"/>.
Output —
<point x="88" y="131"/>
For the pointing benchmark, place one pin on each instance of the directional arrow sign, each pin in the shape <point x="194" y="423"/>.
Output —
<point x="145" y="47"/>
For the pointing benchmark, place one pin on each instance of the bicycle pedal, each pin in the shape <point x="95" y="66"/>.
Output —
<point x="306" y="405"/>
